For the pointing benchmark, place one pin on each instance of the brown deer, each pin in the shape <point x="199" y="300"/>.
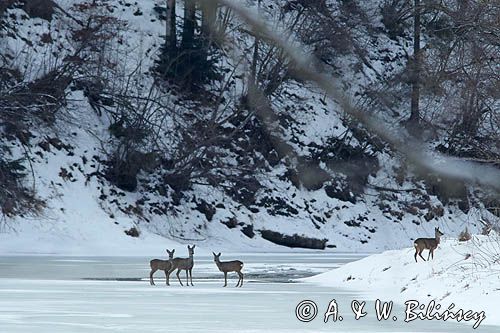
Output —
<point x="180" y="264"/>
<point x="229" y="266"/>
<point x="430" y="244"/>
<point x="159" y="264"/>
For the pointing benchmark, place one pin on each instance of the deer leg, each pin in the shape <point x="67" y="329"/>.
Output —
<point x="225" y="279"/>
<point x="168" y="276"/>
<point x="429" y="256"/>
<point x="191" y="276"/>
<point x="432" y="253"/>
<point x="151" y="281"/>
<point x="416" y="252"/>
<point x="239" y="279"/>
<point x="187" y="277"/>
<point x="178" y="278"/>
<point x="420" y="254"/>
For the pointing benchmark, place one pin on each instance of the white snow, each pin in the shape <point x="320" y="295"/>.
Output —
<point x="464" y="273"/>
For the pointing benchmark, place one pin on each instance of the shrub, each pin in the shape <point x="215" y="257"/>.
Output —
<point x="188" y="68"/>
<point x="464" y="235"/>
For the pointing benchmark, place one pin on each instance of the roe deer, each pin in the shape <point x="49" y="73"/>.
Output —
<point x="159" y="264"/>
<point x="229" y="266"/>
<point x="183" y="264"/>
<point x="430" y="244"/>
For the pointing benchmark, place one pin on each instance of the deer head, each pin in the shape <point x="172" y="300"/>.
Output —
<point x="191" y="250"/>
<point x="216" y="256"/>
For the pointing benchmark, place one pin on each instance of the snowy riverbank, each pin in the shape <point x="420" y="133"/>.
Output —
<point x="464" y="273"/>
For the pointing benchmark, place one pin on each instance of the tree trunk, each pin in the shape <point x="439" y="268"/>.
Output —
<point x="208" y="20"/>
<point x="208" y="26"/>
<point x="255" y="57"/>
<point x="471" y="110"/>
<point x="416" y="65"/>
<point x="189" y="24"/>
<point x="170" y="27"/>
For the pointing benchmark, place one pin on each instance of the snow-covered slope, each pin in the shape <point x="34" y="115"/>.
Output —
<point x="86" y="214"/>
<point x="463" y="273"/>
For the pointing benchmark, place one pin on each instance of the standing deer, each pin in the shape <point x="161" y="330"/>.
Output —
<point x="229" y="266"/>
<point x="183" y="264"/>
<point x="430" y="244"/>
<point x="162" y="265"/>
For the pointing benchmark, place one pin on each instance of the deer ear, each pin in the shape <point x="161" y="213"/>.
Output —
<point x="214" y="253"/>
<point x="193" y="246"/>
<point x="218" y="254"/>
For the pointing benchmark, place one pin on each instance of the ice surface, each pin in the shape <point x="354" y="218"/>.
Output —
<point x="112" y="294"/>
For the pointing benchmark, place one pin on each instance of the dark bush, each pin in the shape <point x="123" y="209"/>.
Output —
<point x="448" y="190"/>
<point x="277" y="206"/>
<point x="15" y="197"/>
<point x="244" y="190"/>
<point x="122" y="169"/>
<point x="178" y="181"/>
<point x="132" y="232"/>
<point x="43" y="9"/>
<point x="206" y="209"/>
<point x="341" y="193"/>
<point x="308" y="174"/>
<point x="231" y="223"/>
<point x="188" y="68"/>
<point x="247" y="230"/>
<point x="355" y="163"/>
<point x="392" y="17"/>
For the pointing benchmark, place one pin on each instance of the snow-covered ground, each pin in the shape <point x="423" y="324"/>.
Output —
<point x="97" y="294"/>
<point x="86" y="215"/>
<point x="464" y="273"/>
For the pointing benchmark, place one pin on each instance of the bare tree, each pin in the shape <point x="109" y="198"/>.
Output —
<point x="170" y="25"/>
<point x="415" y="67"/>
<point x="189" y="24"/>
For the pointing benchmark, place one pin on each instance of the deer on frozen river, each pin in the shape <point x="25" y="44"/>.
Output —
<point x="180" y="264"/>
<point x="162" y="265"/>
<point x="229" y="266"/>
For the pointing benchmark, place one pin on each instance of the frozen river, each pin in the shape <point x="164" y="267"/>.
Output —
<point x="112" y="294"/>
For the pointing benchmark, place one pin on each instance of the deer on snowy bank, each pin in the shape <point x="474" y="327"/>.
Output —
<point x="229" y="266"/>
<point x="162" y="265"/>
<point x="180" y="264"/>
<point x="430" y="244"/>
